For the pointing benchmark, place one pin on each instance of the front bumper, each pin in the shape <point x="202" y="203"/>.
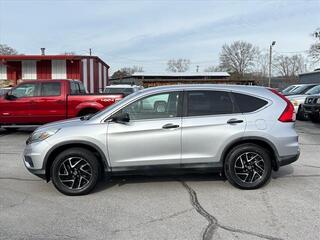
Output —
<point x="311" y="109"/>
<point x="33" y="158"/>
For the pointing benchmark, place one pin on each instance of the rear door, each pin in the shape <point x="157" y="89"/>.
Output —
<point x="51" y="104"/>
<point x="18" y="109"/>
<point x="210" y="121"/>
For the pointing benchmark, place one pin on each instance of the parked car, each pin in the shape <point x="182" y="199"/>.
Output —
<point x="311" y="108"/>
<point x="43" y="101"/>
<point x="298" y="100"/>
<point x="290" y="88"/>
<point x="3" y="91"/>
<point x="245" y="132"/>
<point x="300" y="89"/>
<point x="123" y="89"/>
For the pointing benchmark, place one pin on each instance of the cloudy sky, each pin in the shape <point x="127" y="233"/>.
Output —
<point x="148" y="33"/>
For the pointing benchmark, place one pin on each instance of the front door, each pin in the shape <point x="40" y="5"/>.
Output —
<point x="211" y="121"/>
<point x="17" y="108"/>
<point x="153" y="134"/>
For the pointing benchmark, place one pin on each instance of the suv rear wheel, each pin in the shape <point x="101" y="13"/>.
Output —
<point x="75" y="171"/>
<point x="248" y="166"/>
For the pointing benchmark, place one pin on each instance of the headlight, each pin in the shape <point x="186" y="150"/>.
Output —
<point x="318" y="101"/>
<point x="40" y="136"/>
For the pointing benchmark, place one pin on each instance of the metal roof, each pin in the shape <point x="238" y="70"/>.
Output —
<point x="182" y="74"/>
<point x="314" y="72"/>
<point x="22" y="57"/>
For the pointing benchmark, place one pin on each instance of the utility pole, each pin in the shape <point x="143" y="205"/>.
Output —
<point x="90" y="51"/>
<point x="270" y="61"/>
<point x="197" y="68"/>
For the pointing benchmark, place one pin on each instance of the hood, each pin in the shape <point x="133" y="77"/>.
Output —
<point x="61" y="124"/>
<point x="296" y="97"/>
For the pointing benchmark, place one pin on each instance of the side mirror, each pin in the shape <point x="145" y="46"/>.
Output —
<point x="9" y="96"/>
<point x="121" y="118"/>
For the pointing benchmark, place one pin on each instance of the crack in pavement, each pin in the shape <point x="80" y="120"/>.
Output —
<point x="154" y="220"/>
<point x="213" y="221"/>
<point x="20" y="179"/>
<point x="19" y="203"/>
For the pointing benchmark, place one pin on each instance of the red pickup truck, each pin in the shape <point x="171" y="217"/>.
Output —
<point x="42" y="101"/>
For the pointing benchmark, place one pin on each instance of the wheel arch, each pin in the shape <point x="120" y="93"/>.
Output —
<point x="258" y="141"/>
<point x="58" y="148"/>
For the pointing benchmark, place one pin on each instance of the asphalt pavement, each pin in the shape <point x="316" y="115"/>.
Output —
<point x="192" y="206"/>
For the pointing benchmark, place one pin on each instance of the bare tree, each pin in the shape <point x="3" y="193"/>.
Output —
<point x="289" y="66"/>
<point x="126" y="71"/>
<point x="6" y="50"/>
<point x="260" y="72"/>
<point x="69" y="53"/>
<point x="178" y="65"/>
<point x="213" y="69"/>
<point x="314" y="51"/>
<point x="239" y="57"/>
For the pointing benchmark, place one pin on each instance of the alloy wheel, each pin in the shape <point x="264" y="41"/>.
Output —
<point x="249" y="167"/>
<point x="75" y="173"/>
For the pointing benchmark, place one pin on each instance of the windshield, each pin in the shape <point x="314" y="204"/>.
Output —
<point x="314" y="90"/>
<point x="301" y="89"/>
<point x="288" y="89"/>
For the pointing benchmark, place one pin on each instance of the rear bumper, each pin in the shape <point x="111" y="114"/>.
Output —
<point x="282" y="161"/>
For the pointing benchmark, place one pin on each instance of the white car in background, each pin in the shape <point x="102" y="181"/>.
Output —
<point x="298" y="100"/>
<point x="125" y="89"/>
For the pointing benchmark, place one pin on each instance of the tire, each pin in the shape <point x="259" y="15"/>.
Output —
<point x="301" y="114"/>
<point x="75" y="171"/>
<point x="245" y="174"/>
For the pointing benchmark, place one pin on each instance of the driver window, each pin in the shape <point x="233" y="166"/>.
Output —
<point x="25" y="90"/>
<point x="164" y="105"/>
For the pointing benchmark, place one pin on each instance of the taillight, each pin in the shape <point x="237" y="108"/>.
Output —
<point x="288" y="115"/>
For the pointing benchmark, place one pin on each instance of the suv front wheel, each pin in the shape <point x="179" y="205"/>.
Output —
<point x="248" y="166"/>
<point x="75" y="171"/>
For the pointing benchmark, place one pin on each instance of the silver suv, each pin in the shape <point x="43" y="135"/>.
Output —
<point x="243" y="131"/>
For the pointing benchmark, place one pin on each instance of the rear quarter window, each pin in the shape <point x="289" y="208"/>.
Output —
<point x="247" y="103"/>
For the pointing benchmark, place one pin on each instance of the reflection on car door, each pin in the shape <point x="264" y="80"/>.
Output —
<point x="153" y="134"/>
<point x="210" y="119"/>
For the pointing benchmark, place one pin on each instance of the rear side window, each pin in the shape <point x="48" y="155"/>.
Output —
<point x="74" y="88"/>
<point x="248" y="103"/>
<point x="200" y="103"/>
<point x="51" y="89"/>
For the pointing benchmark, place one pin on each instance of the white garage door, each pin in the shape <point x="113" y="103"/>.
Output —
<point x="59" y="69"/>
<point x="29" y="69"/>
<point x="3" y="72"/>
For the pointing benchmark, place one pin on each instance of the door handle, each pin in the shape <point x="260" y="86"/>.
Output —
<point x="234" y="120"/>
<point x="170" y="126"/>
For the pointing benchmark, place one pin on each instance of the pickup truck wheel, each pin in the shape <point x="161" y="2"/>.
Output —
<point x="75" y="171"/>
<point x="248" y="166"/>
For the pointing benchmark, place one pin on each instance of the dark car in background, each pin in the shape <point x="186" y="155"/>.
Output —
<point x="311" y="108"/>
<point x="299" y="89"/>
